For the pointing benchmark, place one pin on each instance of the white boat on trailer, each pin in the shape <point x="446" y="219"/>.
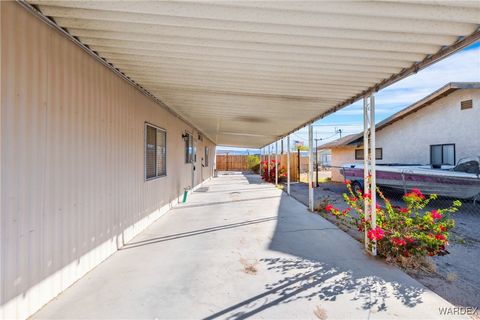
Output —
<point x="461" y="181"/>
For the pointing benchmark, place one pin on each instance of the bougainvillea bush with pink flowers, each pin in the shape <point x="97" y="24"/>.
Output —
<point x="401" y="231"/>
<point x="270" y="177"/>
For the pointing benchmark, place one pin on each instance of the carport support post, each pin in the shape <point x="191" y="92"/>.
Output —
<point x="310" y="167"/>
<point x="369" y="174"/>
<point x="366" y="184"/>
<point x="276" y="162"/>
<point x="260" y="165"/>
<point x="373" y="156"/>
<point x="268" y="163"/>
<point x="288" y="164"/>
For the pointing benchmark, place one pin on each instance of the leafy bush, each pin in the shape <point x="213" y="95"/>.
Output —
<point x="253" y="162"/>
<point x="401" y="231"/>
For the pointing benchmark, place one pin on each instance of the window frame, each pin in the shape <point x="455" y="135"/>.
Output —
<point x="157" y="128"/>
<point x="361" y="158"/>
<point x="442" y="145"/>
<point x="189" y="147"/>
<point x="206" y="159"/>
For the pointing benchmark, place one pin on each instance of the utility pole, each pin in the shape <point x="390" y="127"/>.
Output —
<point x="311" y="195"/>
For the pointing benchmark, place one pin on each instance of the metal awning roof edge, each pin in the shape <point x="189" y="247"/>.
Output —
<point x="445" y="51"/>
<point x="37" y="13"/>
<point x="429" y="60"/>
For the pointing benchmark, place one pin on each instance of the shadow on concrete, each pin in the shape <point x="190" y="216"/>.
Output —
<point x="195" y="232"/>
<point x="316" y="280"/>
<point x="253" y="178"/>
<point x="326" y="264"/>
<point x="240" y="190"/>
<point x="222" y="202"/>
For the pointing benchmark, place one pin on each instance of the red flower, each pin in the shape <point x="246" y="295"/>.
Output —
<point x="436" y="215"/>
<point x="354" y="199"/>
<point x="403" y="210"/>
<point x="367" y="196"/>
<point x="347" y="181"/>
<point x="418" y="193"/>
<point x="442" y="228"/>
<point x="399" y="242"/>
<point x="440" y="237"/>
<point x="329" y="207"/>
<point x="415" y="193"/>
<point x="409" y="240"/>
<point x="375" y="234"/>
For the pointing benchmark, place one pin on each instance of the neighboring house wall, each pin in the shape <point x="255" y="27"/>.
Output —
<point x="408" y="140"/>
<point x="72" y="162"/>
<point x="341" y="156"/>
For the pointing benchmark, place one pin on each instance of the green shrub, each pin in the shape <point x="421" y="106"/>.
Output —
<point x="255" y="168"/>
<point x="401" y="232"/>
<point x="253" y="163"/>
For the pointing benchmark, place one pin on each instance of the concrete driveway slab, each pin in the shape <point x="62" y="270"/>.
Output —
<point x="238" y="249"/>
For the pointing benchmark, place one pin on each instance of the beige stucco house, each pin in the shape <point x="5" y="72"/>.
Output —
<point x="440" y="129"/>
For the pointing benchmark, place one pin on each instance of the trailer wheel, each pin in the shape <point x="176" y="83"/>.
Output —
<point x="357" y="187"/>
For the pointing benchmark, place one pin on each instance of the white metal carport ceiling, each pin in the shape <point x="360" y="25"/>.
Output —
<point x="246" y="73"/>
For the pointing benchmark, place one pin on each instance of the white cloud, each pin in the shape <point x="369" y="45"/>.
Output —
<point x="463" y="66"/>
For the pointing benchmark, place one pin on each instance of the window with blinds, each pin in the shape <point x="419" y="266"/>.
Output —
<point x="155" y="152"/>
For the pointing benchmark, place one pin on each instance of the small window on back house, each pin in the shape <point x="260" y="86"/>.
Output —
<point x="378" y="154"/>
<point x="206" y="156"/>
<point x="466" y="104"/>
<point x="155" y="152"/>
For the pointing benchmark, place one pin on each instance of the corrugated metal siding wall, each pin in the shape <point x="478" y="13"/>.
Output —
<point x="72" y="162"/>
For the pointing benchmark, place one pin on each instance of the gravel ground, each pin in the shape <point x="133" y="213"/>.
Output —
<point x="456" y="278"/>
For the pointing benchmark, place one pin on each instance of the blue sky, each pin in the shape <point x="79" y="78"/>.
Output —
<point x="461" y="66"/>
